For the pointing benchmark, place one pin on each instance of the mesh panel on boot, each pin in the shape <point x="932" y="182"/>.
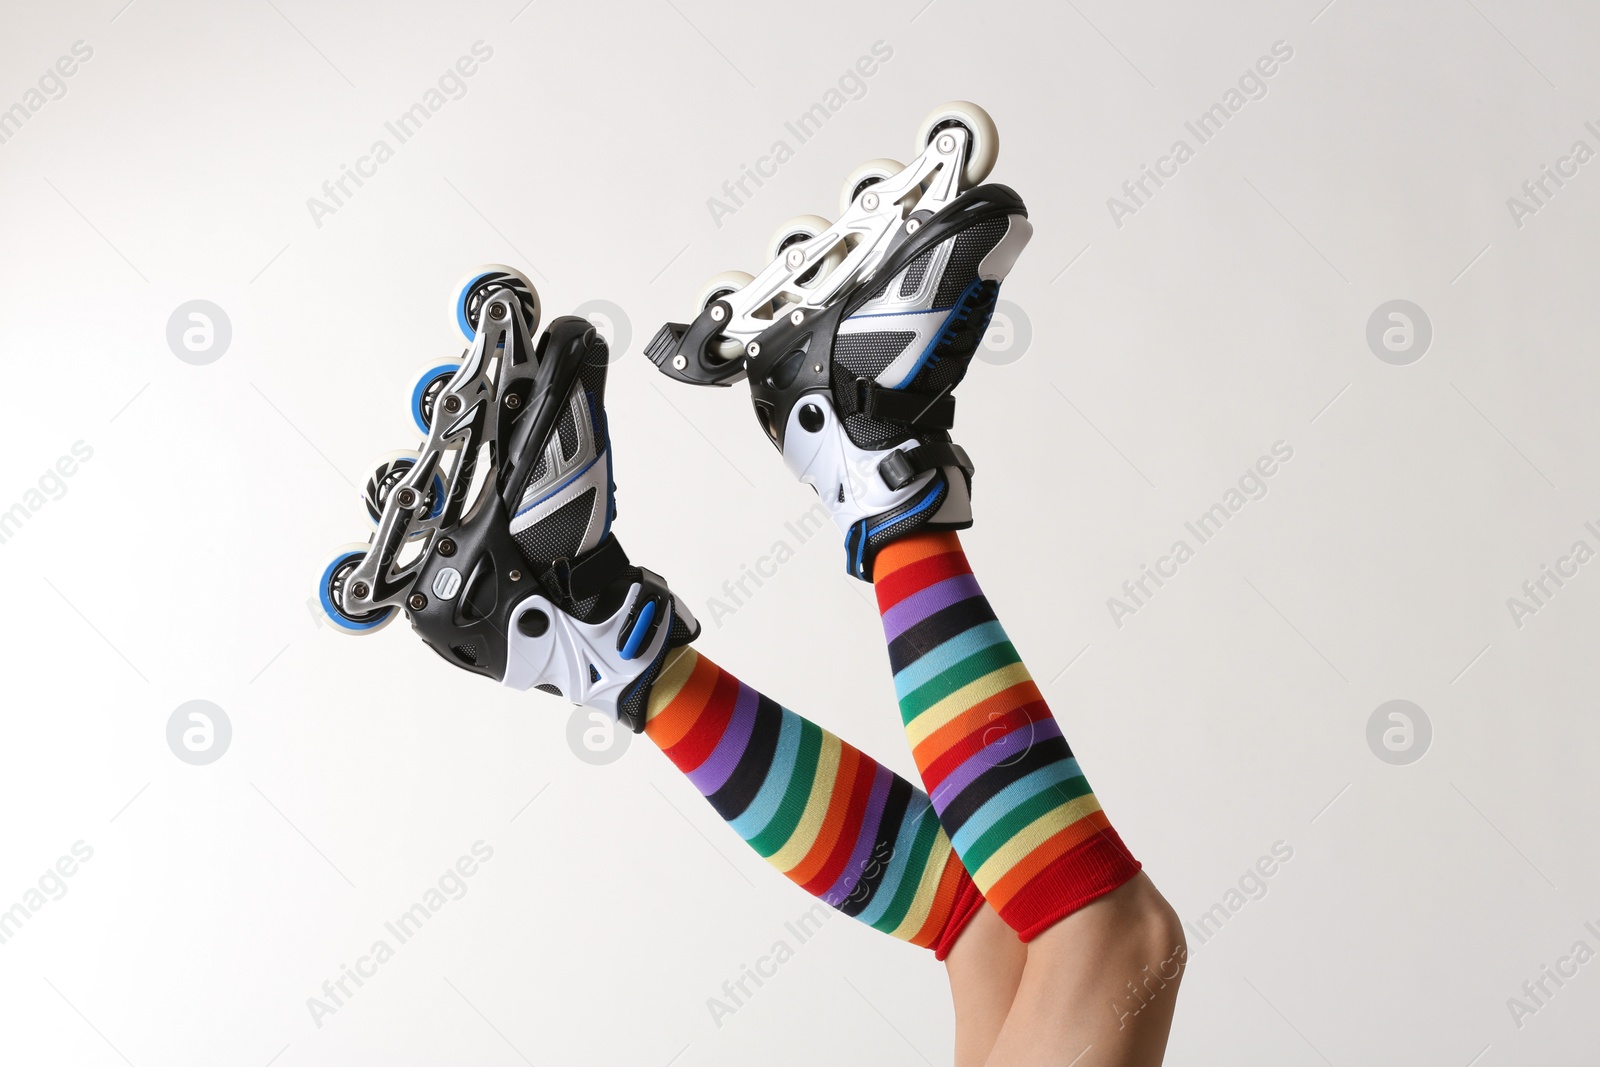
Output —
<point x="559" y="534"/>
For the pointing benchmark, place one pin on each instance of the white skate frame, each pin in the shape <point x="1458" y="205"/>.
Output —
<point x="871" y="222"/>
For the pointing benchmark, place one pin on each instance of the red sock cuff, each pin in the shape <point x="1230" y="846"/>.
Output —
<point x="966" y="904"/>
<point x="1072" y="880"/>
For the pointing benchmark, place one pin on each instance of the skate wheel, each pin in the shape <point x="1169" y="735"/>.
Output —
<point x="869" y="173"/>
<point x="715" y="288"/>
<point x="430" y="386"/>
<point x="390" y="471"/>
<point x="330" y="593"/>
<point x="983" y="143"/>
<point x="484" y="280"/>
<point x="803" y="228"/>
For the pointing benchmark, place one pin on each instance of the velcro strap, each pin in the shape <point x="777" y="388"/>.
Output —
<point x="866" y="397"/>
<point x="901" y="467"/>
<point x="589" y="573"/>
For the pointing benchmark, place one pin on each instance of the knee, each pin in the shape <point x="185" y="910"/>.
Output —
<point x="1155" y="928"/>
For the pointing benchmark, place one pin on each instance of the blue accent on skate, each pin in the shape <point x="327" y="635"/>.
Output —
<point x="557" y="489"/>
<point x="428" y="377"/>
<point x="959" y="314"/>
<point x="336" y="614"/>
<point x="641" y="626"/>
<point x="855" y="563"/>
<point x="461" y="304"/>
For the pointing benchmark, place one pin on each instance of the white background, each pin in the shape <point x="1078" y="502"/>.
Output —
<point x="1167" y="354"/>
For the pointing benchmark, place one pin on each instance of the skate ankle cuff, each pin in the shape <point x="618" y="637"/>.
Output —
<point x="608" y="664"/>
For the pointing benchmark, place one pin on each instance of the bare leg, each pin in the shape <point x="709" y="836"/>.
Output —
<point x="985" y="968"/>
<point x="1098" y="988"/>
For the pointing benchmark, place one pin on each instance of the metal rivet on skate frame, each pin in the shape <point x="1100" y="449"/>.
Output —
<point x="513" y="401"/>
<point x="418" y="602"/>
<point x="516" y="576"/>
<point x="752" y="349"/>
<point x="447" y="547"/>
<point x="913" y="225"/>
<point x="797" y="317"/>
<point x="679" y="362"/>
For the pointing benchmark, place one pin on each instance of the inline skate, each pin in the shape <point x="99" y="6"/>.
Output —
<point x="495" y="536"/>
<point x="853" y="338"/>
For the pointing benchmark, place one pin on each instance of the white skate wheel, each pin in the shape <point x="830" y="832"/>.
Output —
<point x="427" y="390"/>
<point x="983" y="137"/>
<point x="475" y="286"/>
<point x="389" y="471"/>
<point x="803" y="228"/>
<point x="869" y="173"/>
<point x="715" y="288"/>
<point x="331" y="588"/>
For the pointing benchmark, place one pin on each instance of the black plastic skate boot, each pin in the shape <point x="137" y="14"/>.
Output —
<point x="518" y="576"/>
<point x="856" y="336"/>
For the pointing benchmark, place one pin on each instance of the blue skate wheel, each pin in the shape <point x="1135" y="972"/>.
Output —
<point x="480" y="283"/>
<point x="330" y="594"/>
<point x="430" y="386"/>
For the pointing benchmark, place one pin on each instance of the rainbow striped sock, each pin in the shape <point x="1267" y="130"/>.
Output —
<point x="1004" y="781"/>
<point x="837" y="823"/>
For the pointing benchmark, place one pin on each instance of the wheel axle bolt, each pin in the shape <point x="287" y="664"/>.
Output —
<point x="407" y="498"/>
<point x="513" y="401"/>
<point x="452" y="404"/>
<point x="870" y="201"/>
<point x="717" y="313"/>
<point x="417" y="602"/>
<point x="947" y="143"/>
<point x="497" y="311"/>
<point x="795" y="258"/>
<point x="360" y="590"/>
